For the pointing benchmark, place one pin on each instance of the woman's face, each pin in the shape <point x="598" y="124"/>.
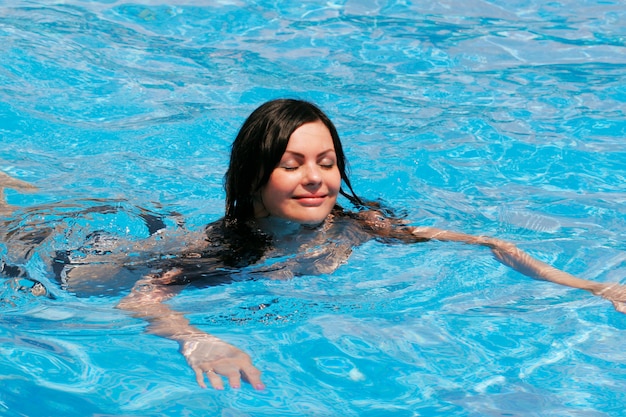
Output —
<point x="304" y="185"/>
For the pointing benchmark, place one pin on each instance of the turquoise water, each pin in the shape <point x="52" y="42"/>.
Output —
<point x="500" y="118"/>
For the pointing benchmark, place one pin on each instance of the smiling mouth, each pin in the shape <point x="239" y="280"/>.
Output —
<point x="311" y="201"/>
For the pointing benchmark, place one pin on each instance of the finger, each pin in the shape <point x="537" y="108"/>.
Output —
<point x="620" y="306"/>
<point x="215" y="380"/>
<point x="199" y="377"/>
<point x="253" y="377"/>
<point x="234" y="380"/>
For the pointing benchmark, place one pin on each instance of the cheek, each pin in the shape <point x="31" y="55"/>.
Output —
<point x="276" y="191"/>
<point x="334" y="182"/>
<point x="279" y="183"/>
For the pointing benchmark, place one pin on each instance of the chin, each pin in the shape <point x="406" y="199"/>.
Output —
<point x="311" y="216"/>
<point x="311" y="220"/>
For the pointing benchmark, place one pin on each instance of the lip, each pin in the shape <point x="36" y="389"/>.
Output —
<point x="311" y="200"/>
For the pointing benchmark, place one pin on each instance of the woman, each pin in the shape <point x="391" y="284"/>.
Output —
<point x="286" y="171"/>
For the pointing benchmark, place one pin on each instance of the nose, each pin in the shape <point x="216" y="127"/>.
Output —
<point x="313" y="175"/>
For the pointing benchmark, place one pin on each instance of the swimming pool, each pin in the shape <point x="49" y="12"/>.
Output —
<point x="500" y="118"/>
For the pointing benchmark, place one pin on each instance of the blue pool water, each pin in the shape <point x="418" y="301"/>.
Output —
<point x="489" y="117"/>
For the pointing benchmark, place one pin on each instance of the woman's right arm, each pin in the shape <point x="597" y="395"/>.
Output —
<point x="205" y="353"/>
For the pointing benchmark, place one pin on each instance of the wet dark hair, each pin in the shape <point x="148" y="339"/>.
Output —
<point x="259" y="146"/>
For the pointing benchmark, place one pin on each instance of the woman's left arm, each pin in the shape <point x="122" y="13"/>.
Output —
<point x="512" y="256"/>
<point x="505" y="252"/>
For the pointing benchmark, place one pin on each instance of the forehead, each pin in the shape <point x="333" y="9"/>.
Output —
<point x="313" y="136"/>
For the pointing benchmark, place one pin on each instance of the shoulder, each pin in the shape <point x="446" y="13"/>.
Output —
<point x="215" y="228"/>
<point x="372" y="222"/>
<point x="237" y="244"/>
<point x="384" y="227"/>
<point x="376" y="220"/>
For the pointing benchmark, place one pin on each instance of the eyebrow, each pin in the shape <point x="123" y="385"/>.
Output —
<point x="318" y="155"/>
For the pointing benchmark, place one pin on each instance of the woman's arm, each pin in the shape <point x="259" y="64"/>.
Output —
<point x="512" y="256"/>
<point x="505" y="252"/>
<point x="18" y="185"/>
<point x="205" y="353"/>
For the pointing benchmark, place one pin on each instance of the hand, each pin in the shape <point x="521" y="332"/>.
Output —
<point x="210" y="355"/>
<point x="615" y="293"/>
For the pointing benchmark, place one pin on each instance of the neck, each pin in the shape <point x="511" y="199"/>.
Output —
<point x="276" y="226"/>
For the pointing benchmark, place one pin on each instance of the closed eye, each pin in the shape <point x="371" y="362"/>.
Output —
<point x="327" y="162"/>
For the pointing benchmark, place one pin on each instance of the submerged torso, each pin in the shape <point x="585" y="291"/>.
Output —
<point x="106" y="264"/>
<point x="274" y="249"/>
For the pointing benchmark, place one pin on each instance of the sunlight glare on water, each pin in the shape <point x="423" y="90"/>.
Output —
<point x="497" y="118"/>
